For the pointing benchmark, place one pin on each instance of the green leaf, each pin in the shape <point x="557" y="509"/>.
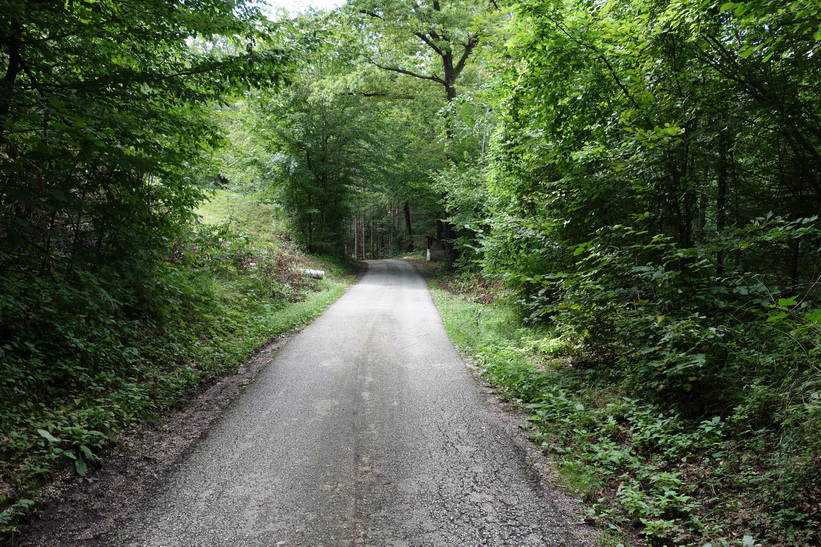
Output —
<point x="81" y="466"/>
<point x="24" y="504"/>
<point x="89" y="455"/>
<point x="787" y="302"/>
<point x="48" y="436"/>
<point x="777" y="317"/>
<point x="746" y="51"/>
<point x="813" y="317"/>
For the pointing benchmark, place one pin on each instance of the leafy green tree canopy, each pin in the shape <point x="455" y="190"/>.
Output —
<point x="103" y="118"/>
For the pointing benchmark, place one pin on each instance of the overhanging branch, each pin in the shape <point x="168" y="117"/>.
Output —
<point x="382" y="95"/>
<point x="410" y="73"/>
<point x="471" y="44"/>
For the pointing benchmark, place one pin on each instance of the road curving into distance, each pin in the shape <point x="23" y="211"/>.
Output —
<point x="366" y="429"/>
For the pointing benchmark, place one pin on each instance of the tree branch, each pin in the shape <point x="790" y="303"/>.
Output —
<point x="472" y="43"/>
<point x="599" y="55"/>
<point x="385" y="95"/>
<point x="431" y="44"/>
<point x="410" y="73"/>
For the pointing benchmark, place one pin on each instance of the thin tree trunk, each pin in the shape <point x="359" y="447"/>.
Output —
<point x="408" y="227"/>
<point x="15" y="66"/>
<point x="722" y="189"/>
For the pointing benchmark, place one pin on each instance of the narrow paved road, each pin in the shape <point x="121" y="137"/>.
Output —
<point x="366" y="429"/>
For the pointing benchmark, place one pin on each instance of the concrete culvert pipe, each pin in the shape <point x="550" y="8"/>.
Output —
<point x="316" y="274"/>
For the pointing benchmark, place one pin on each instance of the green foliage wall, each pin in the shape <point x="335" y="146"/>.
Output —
<point x="105" y="137"/>
<point x="656" y="187"/>
<point x="104" y="133"/>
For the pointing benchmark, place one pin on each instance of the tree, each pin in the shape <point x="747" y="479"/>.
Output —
<point x="316" y="138"/>
<point x="104" y="118"/>
<point x="443" y="33"/>
<point x="105" y="131"/>
<point x="663" y="160"/>
<point x="430" y="42"/>
<point x="654" y="198"/>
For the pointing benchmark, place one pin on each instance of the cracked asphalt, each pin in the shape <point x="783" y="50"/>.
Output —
<point x="366" y="429"/>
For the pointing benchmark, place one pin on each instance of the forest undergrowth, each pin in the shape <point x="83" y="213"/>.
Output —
<point x="649" y="473"/>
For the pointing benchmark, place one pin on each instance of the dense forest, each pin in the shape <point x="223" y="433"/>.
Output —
<point x="635" y="185"/>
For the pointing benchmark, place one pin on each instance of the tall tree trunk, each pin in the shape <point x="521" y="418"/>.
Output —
<point x="443" y="46"/>
<point x="356" y="236"/>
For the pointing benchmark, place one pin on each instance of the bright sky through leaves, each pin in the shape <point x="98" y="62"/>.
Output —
<point x="294" y="6"/>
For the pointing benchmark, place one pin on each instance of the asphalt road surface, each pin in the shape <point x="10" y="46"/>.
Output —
<point x="366" y="429"/>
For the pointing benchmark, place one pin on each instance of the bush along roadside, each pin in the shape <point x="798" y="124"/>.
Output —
<point x="648" y="474"/>
<point x="87" y="361"/>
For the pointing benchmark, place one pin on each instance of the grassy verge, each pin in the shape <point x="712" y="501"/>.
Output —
<point x="647" y="475"/>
